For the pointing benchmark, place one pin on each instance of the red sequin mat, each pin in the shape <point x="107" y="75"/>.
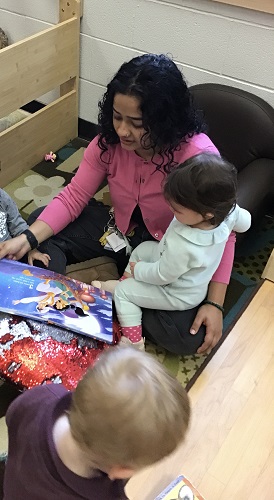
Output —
<point x="34" y="353"/>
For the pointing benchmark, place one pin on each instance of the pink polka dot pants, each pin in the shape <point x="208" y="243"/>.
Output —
<point x="133" y="333"/>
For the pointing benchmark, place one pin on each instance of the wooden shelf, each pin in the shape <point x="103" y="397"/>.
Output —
<point x="261" y="5"/>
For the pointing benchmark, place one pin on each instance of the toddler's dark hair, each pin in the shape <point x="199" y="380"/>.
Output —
<point x="205" y="183"/>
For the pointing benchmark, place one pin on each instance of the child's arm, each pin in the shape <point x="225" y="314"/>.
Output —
<point x="242" y="220"/>
<point x="15" y="222"/>
<point x="163" y="271"/>
<point x="172" y="263"/>
<point x="36" y="255"/>
<point x="16" y="225"/>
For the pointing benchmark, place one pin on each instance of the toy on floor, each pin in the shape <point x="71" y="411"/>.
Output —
<point x="50" y="156"/>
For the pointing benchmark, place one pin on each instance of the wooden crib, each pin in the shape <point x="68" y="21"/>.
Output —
<point x="28" y="69"/>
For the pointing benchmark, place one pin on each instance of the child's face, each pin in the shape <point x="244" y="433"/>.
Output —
<point x="128" y="123"/>
<point x="188" y="216"/>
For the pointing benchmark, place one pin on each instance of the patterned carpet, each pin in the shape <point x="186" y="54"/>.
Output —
<point x="37" y="187"/>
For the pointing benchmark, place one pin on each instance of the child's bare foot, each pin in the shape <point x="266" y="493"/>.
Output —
<point x="108" y="286"/>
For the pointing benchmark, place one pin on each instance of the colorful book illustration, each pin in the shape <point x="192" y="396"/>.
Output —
<point x="47" y="296"/>
<point x="180" y="489"/>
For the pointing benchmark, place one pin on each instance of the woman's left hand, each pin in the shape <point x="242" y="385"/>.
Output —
<point x="212" y="318"/>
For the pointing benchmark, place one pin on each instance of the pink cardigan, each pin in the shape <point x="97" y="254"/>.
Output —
<point x="132" y="180"/>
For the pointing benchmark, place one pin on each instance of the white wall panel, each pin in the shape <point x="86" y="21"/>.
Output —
<point x="191" y="37"/>
<point x="100" y="60"/>
<point x="210" y="42"/>
<point x="90" y="93"/>
<point x="45" y="10"/>
<point x="251" y="54"/>
<point x="111" y="20"/>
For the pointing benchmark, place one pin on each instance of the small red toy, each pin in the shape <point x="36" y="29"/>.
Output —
<point x="50" y="156"/>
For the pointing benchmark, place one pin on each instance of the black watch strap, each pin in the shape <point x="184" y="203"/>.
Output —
<point x="31" y="239"/>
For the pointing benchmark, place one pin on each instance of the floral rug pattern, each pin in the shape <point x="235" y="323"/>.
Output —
<point x="38" y="186"/>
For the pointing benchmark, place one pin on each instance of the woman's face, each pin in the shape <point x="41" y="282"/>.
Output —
<point x="128" y="124"/>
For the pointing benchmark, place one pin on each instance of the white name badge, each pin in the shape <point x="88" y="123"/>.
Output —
<point x="116" y="242"/>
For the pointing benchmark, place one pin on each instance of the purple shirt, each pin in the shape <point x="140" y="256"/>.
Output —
<point x="34" y="470"/>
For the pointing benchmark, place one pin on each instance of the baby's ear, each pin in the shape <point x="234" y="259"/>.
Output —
<point x="209" y="216"/>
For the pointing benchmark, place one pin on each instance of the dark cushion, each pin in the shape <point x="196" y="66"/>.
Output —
<point x="240" y="124"/>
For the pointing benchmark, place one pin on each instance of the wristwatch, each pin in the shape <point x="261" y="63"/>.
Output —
<point x="31" y="239"/>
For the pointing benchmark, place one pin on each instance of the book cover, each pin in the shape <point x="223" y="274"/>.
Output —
<point x="47" y="296"/>
<point x="180" y="489"/>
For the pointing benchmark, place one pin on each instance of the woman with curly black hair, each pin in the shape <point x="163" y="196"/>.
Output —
<point x="164" y="107"/>
<point x="148" y="126"/>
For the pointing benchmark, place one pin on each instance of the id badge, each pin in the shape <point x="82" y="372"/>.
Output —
<point x="116" y="241"/>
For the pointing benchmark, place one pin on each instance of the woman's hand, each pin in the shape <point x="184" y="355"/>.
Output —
<point x="212" y="318"/>
<point x="15" y="248"/>
<point x="36" y="255"/>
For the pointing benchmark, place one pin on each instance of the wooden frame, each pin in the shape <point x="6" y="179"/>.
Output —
<point x="31" y="68"/>
<point x="261" y="5"/>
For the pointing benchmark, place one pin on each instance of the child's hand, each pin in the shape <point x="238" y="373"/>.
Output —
<point x="36" y="255"/>
<point x="132" y="266"/>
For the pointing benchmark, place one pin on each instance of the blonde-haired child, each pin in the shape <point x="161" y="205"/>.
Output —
<point x="126" y="413"/>
<point x="174" y="274"/>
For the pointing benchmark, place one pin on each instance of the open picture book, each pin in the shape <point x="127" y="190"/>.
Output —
<point x="47" y="296"/>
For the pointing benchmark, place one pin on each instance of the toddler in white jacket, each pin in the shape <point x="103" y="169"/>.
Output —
<point x="174" y="274"/>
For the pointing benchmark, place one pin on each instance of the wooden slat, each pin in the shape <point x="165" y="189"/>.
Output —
<point x="67" y="10"/>
<point x="26" y="143"/>
<point x="38" y="64"/>
<point x="261" y="5"/>
<point x="71" y="8"/>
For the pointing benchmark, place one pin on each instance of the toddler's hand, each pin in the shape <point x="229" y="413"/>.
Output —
<point x="36" y="255"/>
<point x="132" y="266"/>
